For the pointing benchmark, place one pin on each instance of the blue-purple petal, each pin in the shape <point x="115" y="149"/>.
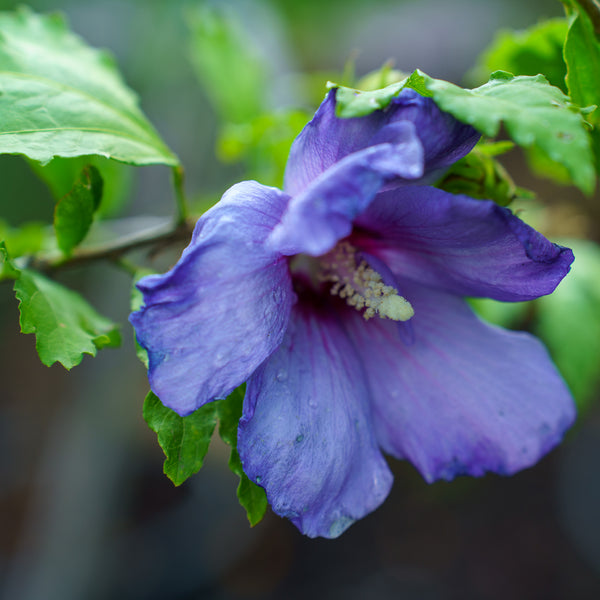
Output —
<point x="223" y="309"/>
<point x="465" y="246"/>
<point x="327" y="139"/>
<point x="306" y="434"/>
<point x="445" y="140"/>
<point x="324" y="212"/>
<point x="465" y="397"/>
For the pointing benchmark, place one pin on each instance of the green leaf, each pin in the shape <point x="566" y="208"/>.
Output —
<point x="227" y="64"/>
<point x="74" y="213"/>
<point x="381" y="78"/>
<point x="568" y="320"/>
<point x="480" y="175"/>
<point x="28" y="238"/>
<point x="60" y="173"/>
<point x="596" y="146"/>
<point x="263" y="144"/>
<point x="534" y="114"/>
<point x="65" y="325"/>
<point x="184" y="440"/>
<point x="355" y="103"/>
<point x="62" y="98"/>
<point x="352" y="102"/>
<point x="494" y="148"/>
<point x="538" y="49"/>
<point x="251" y="496"/>
<point x="582" y="55"/>
<point x="540" y="163"/>
<point x="7" y="269"/>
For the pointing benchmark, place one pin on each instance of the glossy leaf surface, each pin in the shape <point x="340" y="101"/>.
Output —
<point x="62" y="98"/>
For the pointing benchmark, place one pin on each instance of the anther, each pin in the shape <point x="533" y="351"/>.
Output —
<point x="361" y="286"/>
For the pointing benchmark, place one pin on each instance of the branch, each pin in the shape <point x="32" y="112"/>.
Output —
<point x="158" y="238"/>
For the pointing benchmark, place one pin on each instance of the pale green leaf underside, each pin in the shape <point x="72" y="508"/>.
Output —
<point x="534" y="114"/>
<point x="59" y="97"/>
<point x="66" y="327"/>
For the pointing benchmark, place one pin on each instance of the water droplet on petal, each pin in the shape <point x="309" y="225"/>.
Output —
<point x="282" y="376"/>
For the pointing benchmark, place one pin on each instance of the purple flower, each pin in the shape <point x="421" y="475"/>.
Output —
<point x="340" y="302"/>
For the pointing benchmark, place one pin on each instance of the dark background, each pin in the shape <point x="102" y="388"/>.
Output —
<point x="85" y="511"/>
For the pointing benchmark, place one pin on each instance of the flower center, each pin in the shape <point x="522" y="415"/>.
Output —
<point x="361" y="286"/>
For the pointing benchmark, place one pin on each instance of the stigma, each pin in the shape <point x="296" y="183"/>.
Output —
<point x="361" y="286"/>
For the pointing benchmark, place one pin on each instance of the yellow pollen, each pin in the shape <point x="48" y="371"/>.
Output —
<point x="361" y="286"/>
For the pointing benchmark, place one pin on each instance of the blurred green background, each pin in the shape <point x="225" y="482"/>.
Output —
<point x="85" y="511"/>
